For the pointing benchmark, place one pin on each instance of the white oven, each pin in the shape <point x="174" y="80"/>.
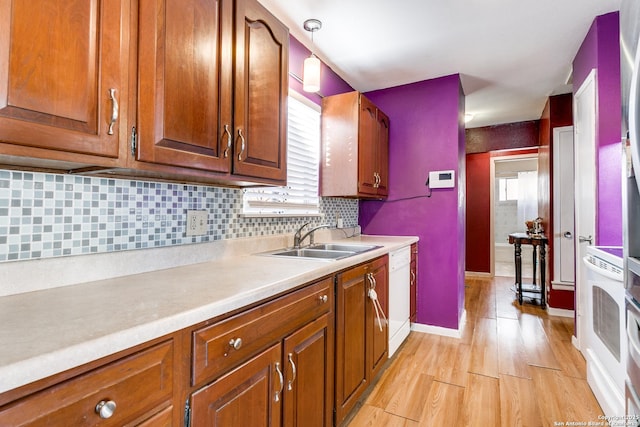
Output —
<point x="606" y="338"/>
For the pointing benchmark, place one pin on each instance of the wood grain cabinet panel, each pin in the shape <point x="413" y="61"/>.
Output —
<point x="63" y="81"/>
<point x="250" y="395"/>
<point x="213" y="352"/>
<point x="199" y="109"/>
<point x="355" y="148"/>
<point x="378" y="323"/>
<point x="185" y="83"/>
<point x="308" y="361"/>
<point x="361" y="346"/>
<point x="139" y="385"/>
<point x="261" y="89"/>
<point x="281" y="374"/>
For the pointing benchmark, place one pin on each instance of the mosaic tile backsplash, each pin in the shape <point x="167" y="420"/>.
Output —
<point x="49" y="215"/>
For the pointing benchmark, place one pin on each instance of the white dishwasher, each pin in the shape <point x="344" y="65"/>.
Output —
<point x="399" y="297"/>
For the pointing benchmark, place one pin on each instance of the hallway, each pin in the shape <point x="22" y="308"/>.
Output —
<point x="513" y="366"/>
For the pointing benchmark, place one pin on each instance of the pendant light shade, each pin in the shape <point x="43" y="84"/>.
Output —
<point x="311" y="74"/>
<point x="311" y="67"/>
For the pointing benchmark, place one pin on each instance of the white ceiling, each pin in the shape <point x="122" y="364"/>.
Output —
<point x="511" y="54"/>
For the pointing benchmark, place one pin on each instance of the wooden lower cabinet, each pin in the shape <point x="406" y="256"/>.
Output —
<point x="308" y="395"/>
<point x="290" y="383"/>
<point x="138" y="387"/>
<point x="250" y="395"/>
<point x="361" y="347"/>
<point x="378" y="329"/>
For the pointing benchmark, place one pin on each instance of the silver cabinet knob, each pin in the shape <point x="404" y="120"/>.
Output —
<point x="568" y="234"/>
<point x="105" y="408"/>
<point x="236" y="343"/>
<point x="323" y="299"/>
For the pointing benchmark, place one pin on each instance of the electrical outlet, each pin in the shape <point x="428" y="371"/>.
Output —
<point x="197" y="223"/>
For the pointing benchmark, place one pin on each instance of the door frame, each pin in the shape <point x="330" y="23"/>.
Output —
<point x="492" y="217"/>
<point x="556" y="284"/>
<point x="581" y="313"/>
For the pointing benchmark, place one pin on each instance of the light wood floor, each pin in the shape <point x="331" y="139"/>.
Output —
<point x="514" y="366"/>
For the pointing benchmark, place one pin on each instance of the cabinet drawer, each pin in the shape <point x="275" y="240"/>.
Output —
<point x="253" y="330"/>
<point x="137" y="384"/>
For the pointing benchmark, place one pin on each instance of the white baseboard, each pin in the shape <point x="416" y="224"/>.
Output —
<point x="477" y="274"/>
<point x="561" y="312"/>
<point x="563" y="286"/>
<point x="439" y="330"/>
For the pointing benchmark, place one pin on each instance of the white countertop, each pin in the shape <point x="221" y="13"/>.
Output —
<point x="49" y="331"/>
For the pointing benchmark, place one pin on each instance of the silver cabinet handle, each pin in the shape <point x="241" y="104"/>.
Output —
<point x="568" y="235"/>
<point x="376" y="177"/>
<point x="583" y="239"/>
<point x="229" y="141"/>
<point x="281" y="377"/>
<point x="114" y="111"/>
<point x="105" y="408"/>
<point x="323" y="299"/>
<point x="243" y="144"/>
<point x="294" y="373"/>
<point x="372" y="280"/>
<point x="413" y="278"/>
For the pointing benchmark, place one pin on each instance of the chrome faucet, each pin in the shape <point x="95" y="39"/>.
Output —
<point x="298" y="238"/>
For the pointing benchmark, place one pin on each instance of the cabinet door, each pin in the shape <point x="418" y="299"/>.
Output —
<point x="261" y="87"/>
<point x="136" y="385"/>
<point x="308" y="361"/>
<point x="367" y="157"/>
<point x="250" y="395"/>
<point x="59" y="62"/>
<point x="185" y="83"/>
<point x="378" y="330"/>
<point x="382" y="154"/>
<point x="351" y="364"/>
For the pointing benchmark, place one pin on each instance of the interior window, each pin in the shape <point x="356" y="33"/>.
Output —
<point x="300" y="196"/>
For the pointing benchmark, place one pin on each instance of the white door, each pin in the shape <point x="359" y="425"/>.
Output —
<point x="564" y="257"/>
<point x="584" y="109"/>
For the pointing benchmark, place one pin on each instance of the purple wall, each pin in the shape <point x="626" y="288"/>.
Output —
<point x="426" y="134"/>
<point x="330" y="82"/>
<point x="601" y="50"/>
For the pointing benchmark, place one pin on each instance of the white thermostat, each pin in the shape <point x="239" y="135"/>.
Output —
<point x="442" y="179"/>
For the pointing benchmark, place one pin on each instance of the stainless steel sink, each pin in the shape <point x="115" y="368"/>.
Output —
<point x="344" y="247"/>
<point x="313" y="253"/>
<point x="323" y="251"/>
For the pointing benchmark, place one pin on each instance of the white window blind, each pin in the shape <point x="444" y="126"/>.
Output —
<point x="300" y="196"/>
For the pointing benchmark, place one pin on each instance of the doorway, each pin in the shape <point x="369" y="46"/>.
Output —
<point x="514" y="200"/>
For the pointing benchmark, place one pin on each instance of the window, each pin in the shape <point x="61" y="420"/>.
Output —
<point x="300" y="196"/>
<point x="508" y="189"/>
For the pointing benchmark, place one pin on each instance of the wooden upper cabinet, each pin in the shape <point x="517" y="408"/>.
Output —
<point x="367" y="150"/>
<point x="261" y="88"/>
<point x="63" y="75"/>
<point x="382" y="154"/>
<point x="355" y="147"/>
<point x="185" y="83"/>
<point x="189" y="112"/>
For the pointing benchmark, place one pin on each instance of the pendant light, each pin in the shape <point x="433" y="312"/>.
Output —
<point x="311" y="67"/>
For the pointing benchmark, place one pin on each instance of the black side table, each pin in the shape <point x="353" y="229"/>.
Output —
<point x="530" y="290"/>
